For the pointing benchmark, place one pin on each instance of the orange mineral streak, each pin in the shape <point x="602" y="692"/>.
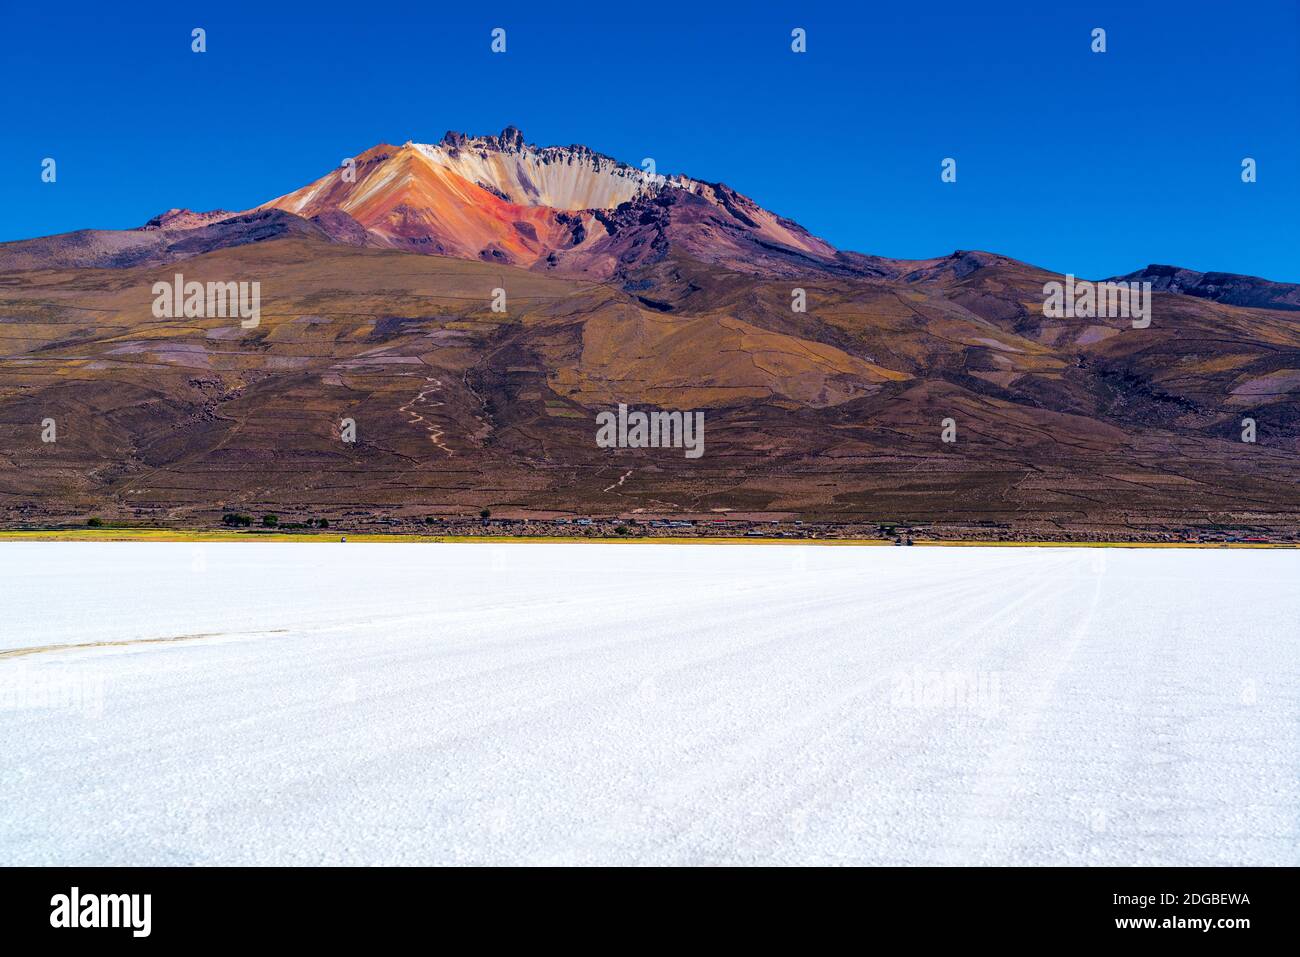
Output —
<point x="402" y="196"/>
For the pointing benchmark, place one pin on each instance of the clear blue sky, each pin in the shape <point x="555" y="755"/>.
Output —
<point x="1094" y="164"/>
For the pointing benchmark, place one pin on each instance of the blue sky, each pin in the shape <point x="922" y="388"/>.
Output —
<point x="1090" y="163"/>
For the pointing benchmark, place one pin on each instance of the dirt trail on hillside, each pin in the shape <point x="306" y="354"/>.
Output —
<point x="435" y="433"/>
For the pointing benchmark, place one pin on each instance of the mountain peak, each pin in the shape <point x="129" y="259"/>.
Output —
<point x="509" y="140"/>
<point x="565" y="178"/>
<point x="1230" y="288"/>
<point x="567" y="208"/>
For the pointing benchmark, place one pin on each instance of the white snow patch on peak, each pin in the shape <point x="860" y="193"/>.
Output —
<point x="561" y="177"/>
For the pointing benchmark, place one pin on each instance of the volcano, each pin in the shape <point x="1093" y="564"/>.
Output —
<point x="565" y="209"/>
<point x="472" y="305"/>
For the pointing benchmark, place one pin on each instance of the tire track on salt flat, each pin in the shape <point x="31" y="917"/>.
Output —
<point x="977" y="841"/>
<point x="777" y="805"/>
